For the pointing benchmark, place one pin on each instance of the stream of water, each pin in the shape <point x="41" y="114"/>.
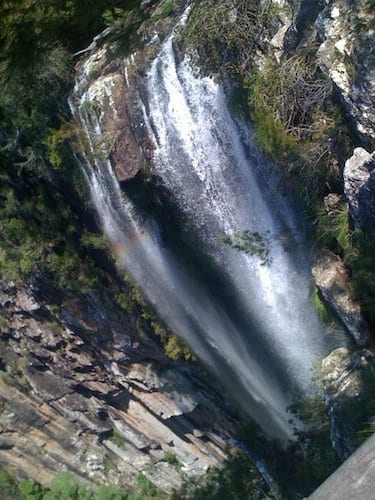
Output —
<point x="260" y="336"/>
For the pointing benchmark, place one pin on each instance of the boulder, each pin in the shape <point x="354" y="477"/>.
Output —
<point x="359" y="185"/>
<point x="332" y="281"/>
<point x="342" y="376"/>
<point x="108" y="102"/>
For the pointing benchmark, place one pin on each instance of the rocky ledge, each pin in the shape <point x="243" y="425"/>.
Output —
<point x="331" y="278"/>
<point x="80" y="391"/>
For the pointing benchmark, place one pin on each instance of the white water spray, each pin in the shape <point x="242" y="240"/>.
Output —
<point x="261" y="344"/>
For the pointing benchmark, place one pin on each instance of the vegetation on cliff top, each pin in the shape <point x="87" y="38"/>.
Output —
<point x="297" y="121"/>
<point x="45" y="226"/>
<point x="65" y="486"/>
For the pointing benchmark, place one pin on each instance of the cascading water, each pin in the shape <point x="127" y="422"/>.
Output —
<point x="261" y="335"/>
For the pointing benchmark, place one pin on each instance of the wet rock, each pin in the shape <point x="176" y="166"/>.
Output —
<point x="332" y="281"/>
<point x="110" y="96"/>
<point x="359" y="184"/>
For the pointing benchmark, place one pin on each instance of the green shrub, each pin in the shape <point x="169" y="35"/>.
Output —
<point x="176" y="348"/>
<point x="324" y="314"/>
<point x="271" y="136"/>
<point x="91" y="240"/>
<point x="117" y="439"/>
<point x="147" y="488"/>
<point x="65" y="487"/>
<point x="8" y="482"/>
<point x="238" y="479"/>
<point x="172" y="460"/>
<point x="165" y="9"/>
<point x="105" y="492"/>
<point x="30" y="490"/>
<point x="3" y="322"/>
<point x="357" y="251"/>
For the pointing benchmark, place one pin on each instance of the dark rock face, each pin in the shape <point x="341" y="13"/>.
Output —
<point x="332" y="281"/>
<point x="68" y="379"/>
<point x="305" y="17"/>
<point x="108" y="98"/>
<point x="359" y="179"/>
<point x="342" y="373"/>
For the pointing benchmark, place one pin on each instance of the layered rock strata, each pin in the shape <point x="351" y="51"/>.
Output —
<point x="80" y="391"/>
<point x="332" y="281"/>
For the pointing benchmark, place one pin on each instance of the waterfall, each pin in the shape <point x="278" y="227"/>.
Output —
<point x="259" y="334"/>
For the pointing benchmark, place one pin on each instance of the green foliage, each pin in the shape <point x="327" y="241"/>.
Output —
<point x="310" y="459"/>
<point x="65" y="487"/>
<point x="172" y="460"/>
<point x="296" y="123"/>
<point x="237" y="479"/>
<point x="58" y="150"/>
<point x="176" y="348"/>
<point x="147" y="488"/>
<point x="255" y="243"/>
<point x="105" y="492"/>
<point x="117" y="439"/>
<point x="356" y="249"/>
<point x="124" y="24"/>
<point x="91" y="240"/>
<point x="252" y="243"/>
<point x="165" y="8"/>
<point x="30" y="490"/>
<point x="8" y="482"/>
<point x="122" y="20"/>
<point x="3" y="322"/>
<point x="324" y="313"/>
<point x="225" y="44"/>
<point x="132" y="301"/>
<point x="271" y="136"/>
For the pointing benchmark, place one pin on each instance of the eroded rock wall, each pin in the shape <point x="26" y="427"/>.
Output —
<point x="71" y="378"/>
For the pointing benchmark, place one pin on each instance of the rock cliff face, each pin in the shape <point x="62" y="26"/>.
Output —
<point x="332" y="280"/>
<point x="71" y="380"/>
<point x="345" y="33"/>
<point x="359" y="185"/>
<point x="81" y="386"/>
<point x="110" y="88"/>
<point x="342" y="375"/>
